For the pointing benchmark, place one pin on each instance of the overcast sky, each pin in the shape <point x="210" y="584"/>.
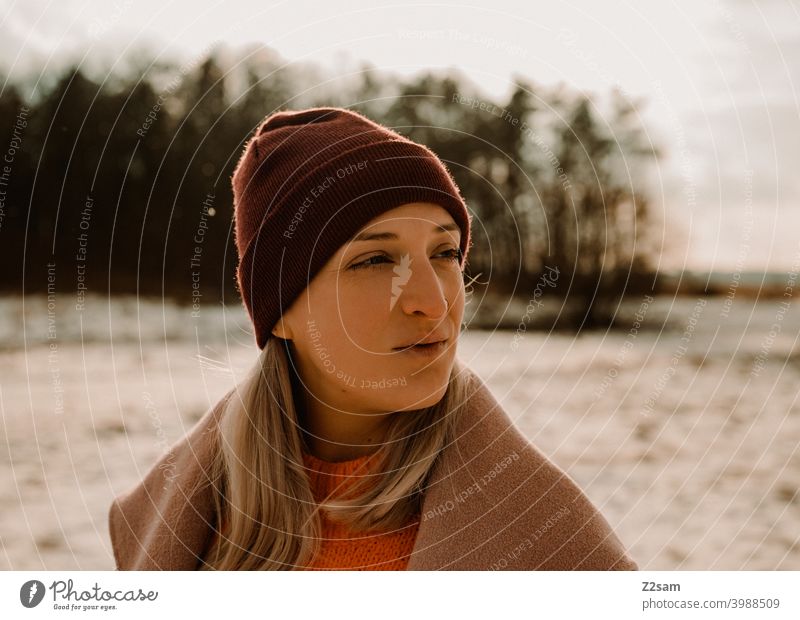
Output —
<point x="722" y="79"/>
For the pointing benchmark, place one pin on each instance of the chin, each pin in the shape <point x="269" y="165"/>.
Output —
<point x="404" y="388"/>
<point x="420" y="394"/>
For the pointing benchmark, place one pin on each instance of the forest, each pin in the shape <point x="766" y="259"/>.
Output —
<point x="120" y="183"/>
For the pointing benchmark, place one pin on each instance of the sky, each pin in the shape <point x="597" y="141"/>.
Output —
<point x="720" y="78"/>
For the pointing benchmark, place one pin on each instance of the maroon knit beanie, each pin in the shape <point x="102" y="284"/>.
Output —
<point x="306" y="183"/>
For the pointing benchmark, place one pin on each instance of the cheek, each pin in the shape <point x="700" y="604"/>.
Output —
<point x="361" y="311"/>
<point x="352" y="324"/>
<point x="363" y="325"/>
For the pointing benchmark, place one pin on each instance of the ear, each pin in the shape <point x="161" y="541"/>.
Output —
<point x="282" y="330"/>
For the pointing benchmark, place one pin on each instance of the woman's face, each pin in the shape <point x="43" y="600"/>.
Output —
<point x="399" y="285"/>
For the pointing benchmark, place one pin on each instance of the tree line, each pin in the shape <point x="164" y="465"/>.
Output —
<point x="109" y="183"/>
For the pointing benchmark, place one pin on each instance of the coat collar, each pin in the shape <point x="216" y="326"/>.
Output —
<point x="494" y="501"/>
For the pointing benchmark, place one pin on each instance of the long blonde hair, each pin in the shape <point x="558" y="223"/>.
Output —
<point x="262" y="491"/>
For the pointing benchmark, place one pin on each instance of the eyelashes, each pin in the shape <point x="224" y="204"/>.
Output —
<point x="450" y="255"/>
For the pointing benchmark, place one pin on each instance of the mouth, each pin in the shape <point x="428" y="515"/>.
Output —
<point x="434" y="346"/>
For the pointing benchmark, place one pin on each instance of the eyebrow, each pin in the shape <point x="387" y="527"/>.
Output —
<point x="387" y="236"/>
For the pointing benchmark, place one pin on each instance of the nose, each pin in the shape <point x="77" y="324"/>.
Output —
<point x="423" y="292"/>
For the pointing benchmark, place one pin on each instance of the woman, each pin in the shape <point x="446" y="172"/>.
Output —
<point x="358" y="441"/>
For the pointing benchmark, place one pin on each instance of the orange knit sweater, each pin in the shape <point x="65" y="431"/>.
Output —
<point x="342" y="549"/>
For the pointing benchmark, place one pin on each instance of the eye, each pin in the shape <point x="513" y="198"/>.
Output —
<point x="454" y="254"/>
<point x="451" y="255"/>
<point x="368" y="262"/>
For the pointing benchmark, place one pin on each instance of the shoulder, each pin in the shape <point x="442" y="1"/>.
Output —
<point x="163" y="520"/>
<point x="499" y="502"/>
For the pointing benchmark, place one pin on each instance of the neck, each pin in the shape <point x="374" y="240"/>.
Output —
<point x="335" y="435"/>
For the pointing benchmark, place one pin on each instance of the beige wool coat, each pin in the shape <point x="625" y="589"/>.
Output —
<point x="494" y="502"/>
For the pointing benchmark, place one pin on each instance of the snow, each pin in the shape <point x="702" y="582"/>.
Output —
<point x="688" y="447"/>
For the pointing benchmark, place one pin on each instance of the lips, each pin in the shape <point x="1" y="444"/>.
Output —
<point x="422" y="342"/>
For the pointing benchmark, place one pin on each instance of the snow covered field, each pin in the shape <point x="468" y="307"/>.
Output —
<point x="684" y="431"/>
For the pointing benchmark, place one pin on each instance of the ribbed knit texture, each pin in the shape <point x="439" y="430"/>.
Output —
<point x="342" y="549"/>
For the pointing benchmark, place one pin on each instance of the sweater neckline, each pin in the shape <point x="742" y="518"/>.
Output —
<point x="347" y="466"/>
<point x="331" y="479"/>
